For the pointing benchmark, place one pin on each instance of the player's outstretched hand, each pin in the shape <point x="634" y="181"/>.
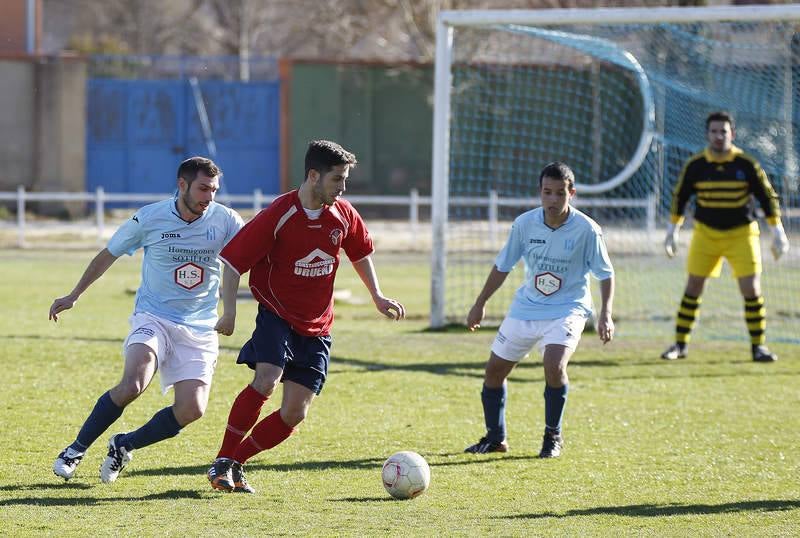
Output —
<point x="780" y="243"/>
<point x="475" y="316"/>
<point x="605" y="328"/>
<point x="671" y="241"/>
<point x="390" y="308"/>
<point x="226" y="324"/>
<point x="59" y="305"/>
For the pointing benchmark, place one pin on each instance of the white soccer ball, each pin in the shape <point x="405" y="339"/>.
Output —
<point x="406" y="475"/>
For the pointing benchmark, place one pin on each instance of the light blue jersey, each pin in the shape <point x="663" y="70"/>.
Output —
<point x="557" y="265"/>
<point x="180" y="270"/>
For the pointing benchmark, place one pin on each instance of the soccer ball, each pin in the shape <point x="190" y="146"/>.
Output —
<point x="406" y="475"/>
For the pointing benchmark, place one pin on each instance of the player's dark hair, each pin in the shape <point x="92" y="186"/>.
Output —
<point x="558" y="170"/>
<point x="322" y="155"/>
<point x="720" y="115"/>
<point x="189" y="168"/>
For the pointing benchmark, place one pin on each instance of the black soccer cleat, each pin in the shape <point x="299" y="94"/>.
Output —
<point x="484" y="446"/>
<point x="675" y="351"/>
<point x="221" y="475"/>
<point x="240" y="484"/>
<point x="552" y="444"/>
<point x="762" y="354"/>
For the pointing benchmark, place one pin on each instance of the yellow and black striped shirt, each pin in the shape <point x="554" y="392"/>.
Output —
<point x="725" y="188"/>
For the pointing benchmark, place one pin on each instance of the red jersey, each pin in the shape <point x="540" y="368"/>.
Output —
<point x="293" y="259"/>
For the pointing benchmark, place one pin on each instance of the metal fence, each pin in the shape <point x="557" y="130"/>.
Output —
<point x="258" y="200"/>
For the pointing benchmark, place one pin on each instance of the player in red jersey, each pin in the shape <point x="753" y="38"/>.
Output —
<point x="291" y="249"/>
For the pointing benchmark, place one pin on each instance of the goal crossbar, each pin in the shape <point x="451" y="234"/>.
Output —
<point x="640" y="15"/>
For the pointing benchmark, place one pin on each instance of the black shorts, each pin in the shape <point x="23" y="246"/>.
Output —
<point x="304" y="359"/>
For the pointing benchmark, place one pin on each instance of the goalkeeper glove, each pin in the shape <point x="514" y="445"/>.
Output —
<point x="671" y="241"/>
<point x="780" y="243"/>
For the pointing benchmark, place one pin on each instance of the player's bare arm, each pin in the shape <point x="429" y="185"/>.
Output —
<point x="605" y="324"/>
<point x="94" y="270"/>
<point x="230" y="287"/>
<point x="390" y="308"/>
<point x="478" y="310"/>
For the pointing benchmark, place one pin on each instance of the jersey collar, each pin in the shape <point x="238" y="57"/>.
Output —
<point x="724" y="158"/>
<point x="177" y="212"/>
<point x="570" y="216"/>
<point x="299" y="204"/>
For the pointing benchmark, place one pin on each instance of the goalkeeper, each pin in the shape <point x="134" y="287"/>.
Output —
<point x="725" y="181"/>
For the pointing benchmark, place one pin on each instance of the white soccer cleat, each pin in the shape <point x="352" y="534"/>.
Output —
<point x="674" y="352"/>
<point x="118" y="457"/>
<point x="67" y="462"/>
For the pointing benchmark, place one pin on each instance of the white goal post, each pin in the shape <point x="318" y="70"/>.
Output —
<point x="620" y="94"/>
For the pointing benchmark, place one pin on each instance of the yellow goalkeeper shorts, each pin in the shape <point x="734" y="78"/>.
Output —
<point x="740" y="246"/>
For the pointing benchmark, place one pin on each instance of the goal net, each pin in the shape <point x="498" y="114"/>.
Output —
<point x="621" y="95"/>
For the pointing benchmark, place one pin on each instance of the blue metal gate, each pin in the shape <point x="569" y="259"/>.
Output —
<point x="138" y="131"/>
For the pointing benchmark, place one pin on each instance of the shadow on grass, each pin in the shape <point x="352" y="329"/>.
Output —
<point x="382" y="498"/>
<point x="479" y="459"/>
<point x="87" y="339"/>
<point x="473" y="369"/>
<point x="60" y="338"/>
<point x="93" y="501"/>
<point x="661" y="510"/>
<point x="321" y="465"/>
<point x="47" y="485"/>
<point x="366" y="463"/>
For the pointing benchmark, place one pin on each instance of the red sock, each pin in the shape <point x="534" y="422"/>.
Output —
<point x="244" y="413"/>
<point x="268" y="433"/>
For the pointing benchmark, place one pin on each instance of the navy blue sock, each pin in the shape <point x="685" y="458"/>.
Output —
<point x="162" y="426"/>
<point x="104" y="414"/>
<point x="494" y="412"/>
<point x="555" y="399"/>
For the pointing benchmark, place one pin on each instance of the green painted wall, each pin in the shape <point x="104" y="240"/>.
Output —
<point x="508" y="121"/>
<point x="381" y="113"/>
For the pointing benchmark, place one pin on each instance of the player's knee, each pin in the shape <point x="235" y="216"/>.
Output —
<point x="127" y="391"/>
<point x="188" y="412"/>
<point x="265" y="385"/>
<point x="497" y="370"/>
<point x="266" y="380"/>
<point x="493" y="379"/>
<point x="555" y="374"/>
<point x="293" y="416"/>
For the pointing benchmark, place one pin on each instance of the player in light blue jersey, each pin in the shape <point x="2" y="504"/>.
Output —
<point x="174" y="324"/>
<point x="561" y="248"/>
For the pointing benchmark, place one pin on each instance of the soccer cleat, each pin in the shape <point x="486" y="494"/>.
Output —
<point x="116" y="460"/>
<point x="551" y="445"/>
<point x="220" y="474"/>
<point x="484" y="446"/>
<point x="675" y="351"/>
<point x="67" y="462"/>
<point x="240" y="484"/>
<point x="762" y="354"/>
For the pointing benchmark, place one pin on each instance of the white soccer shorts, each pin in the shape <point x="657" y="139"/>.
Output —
<point x="516" y="337"/>
<point x="182" y="352"/>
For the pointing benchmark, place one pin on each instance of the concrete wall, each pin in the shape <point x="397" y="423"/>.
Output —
<point x="61" y="136"/>
<point x="43" y="126"/>
<point x="17" y="125"/>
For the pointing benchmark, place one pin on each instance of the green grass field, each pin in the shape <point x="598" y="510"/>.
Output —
<point x="706" y="446"/>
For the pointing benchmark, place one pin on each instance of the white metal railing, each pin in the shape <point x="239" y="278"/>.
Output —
<point x="258" y="200"/>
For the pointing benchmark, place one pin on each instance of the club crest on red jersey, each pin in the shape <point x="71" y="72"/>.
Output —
<point x="336" y="236"/>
